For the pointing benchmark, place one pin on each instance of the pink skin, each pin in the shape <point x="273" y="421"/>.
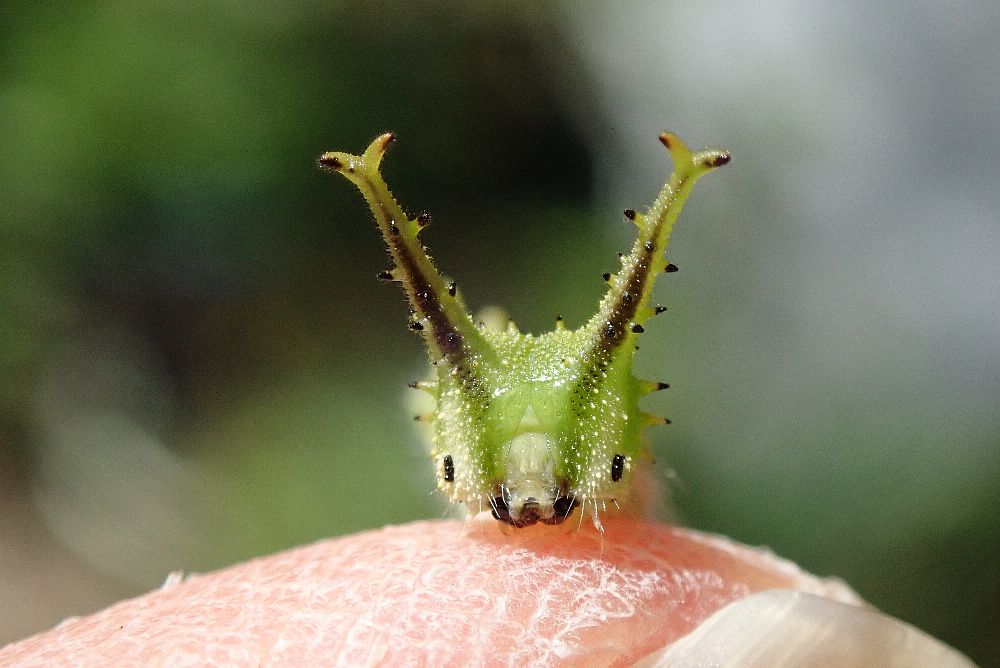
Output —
<point x="437" y="594"/>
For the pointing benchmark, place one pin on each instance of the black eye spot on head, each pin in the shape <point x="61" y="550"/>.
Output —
<point x="617" y="467"/>
<point x="449" y="469"/>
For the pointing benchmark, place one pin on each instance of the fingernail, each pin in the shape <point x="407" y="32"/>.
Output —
<point x="785" y="628"/>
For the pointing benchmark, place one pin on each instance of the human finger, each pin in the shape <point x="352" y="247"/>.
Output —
<point x="435" y="593"/>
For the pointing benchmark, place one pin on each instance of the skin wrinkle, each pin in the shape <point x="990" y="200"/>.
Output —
<point x="270" y="650"/>
<point x="430" y="606"/>
<point x="187" y="608"/>
<point x="613" y="598"/>
<point x="589" y="611"/>
<point x="315" y="592"/>
<point x="559" y="643"/>
<point x="686" y="582"/>
<point x="366" y="623"/>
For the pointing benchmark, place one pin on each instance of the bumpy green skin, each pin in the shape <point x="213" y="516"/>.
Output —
<point x="532" y="427"/>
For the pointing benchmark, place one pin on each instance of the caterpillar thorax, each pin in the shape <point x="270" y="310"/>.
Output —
<point x="532" y="427"/>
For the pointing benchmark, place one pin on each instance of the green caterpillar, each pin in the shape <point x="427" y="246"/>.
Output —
<point x="533" y="427"/>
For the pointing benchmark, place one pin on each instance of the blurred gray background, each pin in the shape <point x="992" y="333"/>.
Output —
<point x="197" y="365"/>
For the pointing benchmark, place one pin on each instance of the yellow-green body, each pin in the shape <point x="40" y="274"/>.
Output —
<point x="532" y="427"/>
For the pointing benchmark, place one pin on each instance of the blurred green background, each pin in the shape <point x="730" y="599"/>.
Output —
<point x="197" y="365"/>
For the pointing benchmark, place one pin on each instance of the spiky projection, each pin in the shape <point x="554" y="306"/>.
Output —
<point x="532" y="427"/>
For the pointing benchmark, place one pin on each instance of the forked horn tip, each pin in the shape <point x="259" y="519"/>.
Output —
<point x="714" y="158"/>
<point x="386" y="139"/>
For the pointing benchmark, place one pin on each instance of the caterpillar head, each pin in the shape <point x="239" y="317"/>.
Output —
<point x="532" y="427"/>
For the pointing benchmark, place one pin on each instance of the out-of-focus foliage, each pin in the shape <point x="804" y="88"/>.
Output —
<point x="197" y="365"/>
